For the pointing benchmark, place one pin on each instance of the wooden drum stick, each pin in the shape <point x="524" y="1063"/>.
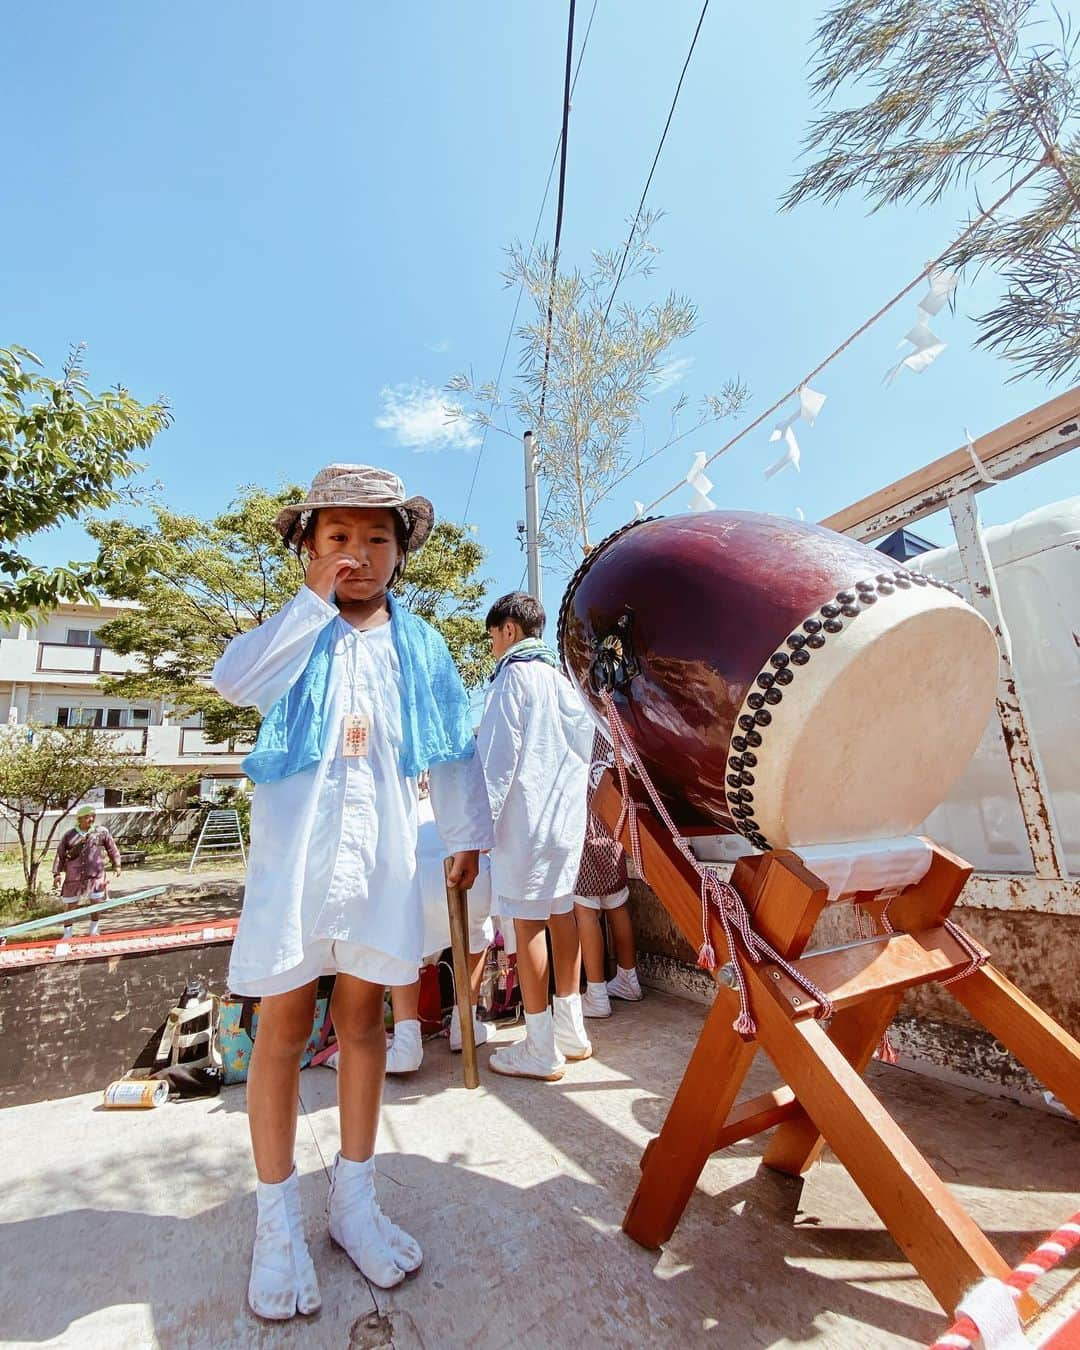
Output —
<point x="457" y="902"/>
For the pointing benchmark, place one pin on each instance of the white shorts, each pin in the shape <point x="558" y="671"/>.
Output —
<point x="604" y="901"/>
<point x="436" y="915"/>
<point x="330" y="956"/>
<point x="534" y="909"/>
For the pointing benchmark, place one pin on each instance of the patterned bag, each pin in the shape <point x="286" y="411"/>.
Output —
<point x="238" y="1025"/>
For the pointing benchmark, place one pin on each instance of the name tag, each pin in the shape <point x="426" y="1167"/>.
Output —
<point x="357" y="731"/>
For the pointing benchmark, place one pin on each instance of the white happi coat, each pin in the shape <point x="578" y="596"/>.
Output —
<point x="333" y="848"/>
<point x="535" y="741"/>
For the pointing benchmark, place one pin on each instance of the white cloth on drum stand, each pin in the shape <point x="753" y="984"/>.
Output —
<point x="873" y="865"/>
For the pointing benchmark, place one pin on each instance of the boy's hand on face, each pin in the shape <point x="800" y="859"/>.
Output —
<point x="464" y="868"/>
<point x="324" y="573"/>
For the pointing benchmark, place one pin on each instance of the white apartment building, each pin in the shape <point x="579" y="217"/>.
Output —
<point x="49" y="674"/>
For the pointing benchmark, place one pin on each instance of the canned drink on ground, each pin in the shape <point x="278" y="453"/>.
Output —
<point x="136" y="1094"/>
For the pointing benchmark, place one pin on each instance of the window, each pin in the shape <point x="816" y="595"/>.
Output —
<point x="80" y="717"/>
<point x="114" y="717"/>
<point x="140" y="717"/>
<point x="83" y="637"/>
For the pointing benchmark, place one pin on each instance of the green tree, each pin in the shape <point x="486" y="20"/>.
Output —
<point x="606" y="361"/>
<point x="63" y="451"/>
<point x="46" y="769"/>
<point x="975" y="94"/>
<point x="198" y="583"/>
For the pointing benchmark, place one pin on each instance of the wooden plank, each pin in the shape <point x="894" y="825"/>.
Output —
<point x="1036" y="1040"/>
<point x="674" y="1161"/>
<point x="669" y="874"/>
<point x="931" y="900"/>
<point x="1065" y="408"/>
<point x="755" y="1116"/>
<point x="947" y="1248"/>
<point x="856" y="1032"/>
<point x="853" y="972"/>
<point x="787" y="903"/>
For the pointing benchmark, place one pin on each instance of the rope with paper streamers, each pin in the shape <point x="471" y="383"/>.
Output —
<point x="990" y="1307"/>
<point x="911" y="361"/>
<point x="716" y="895"/>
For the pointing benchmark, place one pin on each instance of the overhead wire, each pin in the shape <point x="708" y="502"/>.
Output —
<point x="532" y="246"/>
<point x="640" y="208"/>
<point x="862" y="328"/>
<point x="656" y="160"/>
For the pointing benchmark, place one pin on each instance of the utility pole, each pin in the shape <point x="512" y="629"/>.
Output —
<point x="532" y="519"/>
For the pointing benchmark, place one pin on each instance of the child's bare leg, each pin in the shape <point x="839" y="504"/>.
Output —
<point x="381" y="1250"/>
<point x="476" y="973"/>
<point x="532" y="963"/>
<point x="274" y="1079"/>
<point x="591" y="937"/>
<point x="357" y="1010"/>
<point x="622" y="938"/>
<point x="405" y="1001"/>
<point x="566" y="953"/>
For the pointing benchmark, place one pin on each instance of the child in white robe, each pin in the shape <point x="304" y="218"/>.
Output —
<point x="358" y="698"/>
<point x="603" y="886"/>
<point x="535" y="739"/>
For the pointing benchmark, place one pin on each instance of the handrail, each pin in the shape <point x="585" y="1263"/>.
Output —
<point x="64" y="916"/>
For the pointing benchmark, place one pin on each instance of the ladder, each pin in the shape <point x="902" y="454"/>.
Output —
<point x="220" y="834"/>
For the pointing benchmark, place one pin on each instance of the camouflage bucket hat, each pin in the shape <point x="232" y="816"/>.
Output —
<point x="359" y="485"/>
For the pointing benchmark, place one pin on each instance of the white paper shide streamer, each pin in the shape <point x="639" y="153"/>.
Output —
<point x="810" y="404"/>
<point x="702" y="485"/>
<point x="925" y="345"/>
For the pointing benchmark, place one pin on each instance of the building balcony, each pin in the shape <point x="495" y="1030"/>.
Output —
<point x="61" y="658"/>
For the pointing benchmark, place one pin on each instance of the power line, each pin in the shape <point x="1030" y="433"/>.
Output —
<point x="532" y="246"/>
<point x="930" y="267"/>
<point x="558" y="219"/>
<point x="641" y="203"/>
<point x="656" y="160"/>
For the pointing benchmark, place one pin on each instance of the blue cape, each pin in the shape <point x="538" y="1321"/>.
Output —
<point x="436" y="720"/>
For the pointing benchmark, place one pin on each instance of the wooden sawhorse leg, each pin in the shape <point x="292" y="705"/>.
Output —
<point x="675" y="1158"/>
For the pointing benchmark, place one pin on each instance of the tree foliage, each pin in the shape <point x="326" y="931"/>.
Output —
<point x="198" y="583"/>
<point x="63" y="451"/>
<point x="973" y="94"/>
<point x="45" y="769"/>
<point x="604" y="366"/>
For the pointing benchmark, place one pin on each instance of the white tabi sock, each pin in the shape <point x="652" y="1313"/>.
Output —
<point x="381" y="1251"/>
<point x="405" y="1053"/>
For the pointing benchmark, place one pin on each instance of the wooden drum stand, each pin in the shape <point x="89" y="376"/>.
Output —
<point x="825" y="1098"/>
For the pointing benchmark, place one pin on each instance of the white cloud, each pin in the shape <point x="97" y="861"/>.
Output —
<point x="418" y="416"/>
<point x="443" y="345"/>
<point x="669" y="375"/>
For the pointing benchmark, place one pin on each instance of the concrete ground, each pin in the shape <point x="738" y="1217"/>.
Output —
<point x="125" y="1229"/>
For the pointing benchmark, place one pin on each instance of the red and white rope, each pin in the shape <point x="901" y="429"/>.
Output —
<point x="720" y="896"/>
<point x="963" y="1334"/>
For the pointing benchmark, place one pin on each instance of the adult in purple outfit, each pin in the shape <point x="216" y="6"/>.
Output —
<point x="81" y="857"/>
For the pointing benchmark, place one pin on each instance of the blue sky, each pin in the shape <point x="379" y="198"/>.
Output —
<point x="291" y="220"/>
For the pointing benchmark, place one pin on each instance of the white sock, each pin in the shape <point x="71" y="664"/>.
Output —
<point x="68" y="931"/>
<point x="630" y="974"/>
<point x="540" y="1032"/>
<point x="407" y="1035"/>
<point x="597" y="989"/>
<point x="95" y="927"/>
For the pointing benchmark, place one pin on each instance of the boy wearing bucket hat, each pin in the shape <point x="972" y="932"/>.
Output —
<point x="359" y="698"/>
<point x="80" y="858"/>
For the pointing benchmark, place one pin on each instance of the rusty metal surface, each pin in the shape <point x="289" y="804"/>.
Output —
<point x="1036" y="895"/>
<point x="1038" y="437"/>
<point x="1036" y="805"/>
